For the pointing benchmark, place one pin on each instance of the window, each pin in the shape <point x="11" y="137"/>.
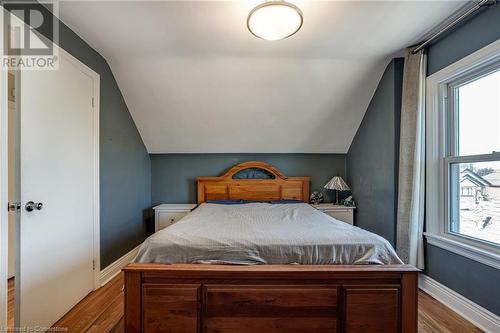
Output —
<point x="463" y="157"/>
<point x="473" y="164"/>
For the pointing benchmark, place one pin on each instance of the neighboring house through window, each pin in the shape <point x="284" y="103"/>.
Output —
<point x="478" y="206"/>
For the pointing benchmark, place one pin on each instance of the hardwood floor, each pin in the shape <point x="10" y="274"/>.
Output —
<point x="10" y="303"/>
<point x="435" y="317"/>
<point x="102" y="312"/>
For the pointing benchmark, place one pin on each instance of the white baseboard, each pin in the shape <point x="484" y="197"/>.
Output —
<point x="113" y="269"/>
<point x="479" y="316"/>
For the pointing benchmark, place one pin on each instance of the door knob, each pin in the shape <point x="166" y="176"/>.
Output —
<point x="31" y="206"/>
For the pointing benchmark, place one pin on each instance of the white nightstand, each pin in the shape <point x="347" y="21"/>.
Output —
<point x="341" y="213"/>
<point x="167" y="214"/>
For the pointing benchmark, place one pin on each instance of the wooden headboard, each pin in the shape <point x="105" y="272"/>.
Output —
<point x="226" y="187"/>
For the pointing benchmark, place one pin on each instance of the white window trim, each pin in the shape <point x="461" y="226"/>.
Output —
<point x="436" y="141"/>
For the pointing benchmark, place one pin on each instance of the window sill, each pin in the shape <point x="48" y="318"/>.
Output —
<point x="459" y="247"/>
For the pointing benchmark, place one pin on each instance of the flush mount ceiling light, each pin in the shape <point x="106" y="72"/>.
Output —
<point x="275" y="20"/>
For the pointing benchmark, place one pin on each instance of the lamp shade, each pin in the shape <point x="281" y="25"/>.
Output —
<point x="337" y="183"/>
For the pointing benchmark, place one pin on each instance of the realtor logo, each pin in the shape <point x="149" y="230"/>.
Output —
<point x="30" y="31"/>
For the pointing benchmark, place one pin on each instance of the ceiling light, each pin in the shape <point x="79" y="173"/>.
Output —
<point x="275" y="20"/>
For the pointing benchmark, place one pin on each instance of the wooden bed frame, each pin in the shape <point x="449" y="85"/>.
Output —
<point x="188" y="298"/>
<point x="226" y="187"/>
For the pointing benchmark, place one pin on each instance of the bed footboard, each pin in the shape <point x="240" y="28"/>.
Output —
<point x="270" y="298"/>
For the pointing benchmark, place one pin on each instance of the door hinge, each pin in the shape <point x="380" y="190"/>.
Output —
<point x="92" y="101"/>
<point x="93" y="265"/>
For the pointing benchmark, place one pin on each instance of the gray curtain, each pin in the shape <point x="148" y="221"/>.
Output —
<point x="411" y="193"/>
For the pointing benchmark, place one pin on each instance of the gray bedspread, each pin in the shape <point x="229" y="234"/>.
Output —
<point x="260" y="233"/>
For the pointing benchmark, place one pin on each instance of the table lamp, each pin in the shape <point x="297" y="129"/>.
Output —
<point x="337" y="184"/>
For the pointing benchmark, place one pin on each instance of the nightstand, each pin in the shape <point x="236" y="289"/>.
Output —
<point x="167" y="214"/>
<point x="341" y="213"/>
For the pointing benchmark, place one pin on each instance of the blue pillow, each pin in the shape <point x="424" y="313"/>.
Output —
<point x="286" y="201"/>
<point x="254" y="201"/>
<point x="226" y="202"/>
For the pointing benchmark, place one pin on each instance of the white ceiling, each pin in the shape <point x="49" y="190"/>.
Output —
<point x="195" y="80"/>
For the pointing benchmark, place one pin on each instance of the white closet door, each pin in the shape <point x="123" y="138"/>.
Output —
<point x="12" y="166"/>
<point x="57" y="170"/>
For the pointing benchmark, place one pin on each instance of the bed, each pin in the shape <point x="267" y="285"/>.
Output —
<point x="261" y="267"/>
<point x="282" y="232"/>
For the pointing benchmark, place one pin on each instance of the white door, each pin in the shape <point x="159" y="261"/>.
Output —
<point x="58" y="171"/>
<point x="13" y="171"/>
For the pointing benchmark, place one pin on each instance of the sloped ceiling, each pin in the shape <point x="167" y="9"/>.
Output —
<point x="195" y="80"/>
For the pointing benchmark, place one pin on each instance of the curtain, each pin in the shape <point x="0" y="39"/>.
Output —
<point x="411" y="187"/>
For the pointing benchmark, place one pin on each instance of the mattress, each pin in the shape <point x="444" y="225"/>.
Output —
<point x="261" y="233"/>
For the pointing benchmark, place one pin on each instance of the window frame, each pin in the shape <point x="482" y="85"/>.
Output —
<point x="441" y="146"/>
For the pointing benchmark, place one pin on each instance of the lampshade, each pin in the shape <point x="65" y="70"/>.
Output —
<point x="337" y="183"/>
<point x="274" y="20"/>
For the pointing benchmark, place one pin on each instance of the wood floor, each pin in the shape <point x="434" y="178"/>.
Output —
<point x="10" y="303"/>
<point x="102" y="312"/>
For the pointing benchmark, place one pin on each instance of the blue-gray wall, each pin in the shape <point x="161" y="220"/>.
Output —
<point x="467" y="38"/>
<point x="475" y="281"/>
<point x="372" y="160"/>
<point x="125" y="167"/>
<point x="174" y="175"/>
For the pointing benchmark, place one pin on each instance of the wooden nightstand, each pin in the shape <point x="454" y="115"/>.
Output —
<point x="341" y="213"/>
<point x="167" y="214"/>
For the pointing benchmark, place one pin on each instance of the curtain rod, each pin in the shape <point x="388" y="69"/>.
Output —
<point x="454" y="22"/>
